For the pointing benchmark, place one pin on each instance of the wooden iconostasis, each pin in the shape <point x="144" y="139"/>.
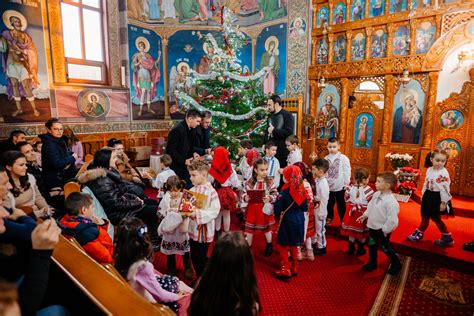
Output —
<point x="393" y="77"/>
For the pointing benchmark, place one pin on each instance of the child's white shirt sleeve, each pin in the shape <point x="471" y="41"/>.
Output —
<point x="391" y="223"/>
<point x="210" y="212"/>
<point x="346" y="170"/>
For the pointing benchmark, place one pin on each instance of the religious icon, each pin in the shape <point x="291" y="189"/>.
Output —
<point x="377" y="8"/>
<point x="400" y="41"/>
<point x="408" y="114"/>
<point x="450" y="146"/>
<point x="328" y="116"/>
<point x="271" y="58"/>
<point x="379" y="44"/>
<point x="322" y="17"/>
<point x="340" y="13"/>
<point x="357" y="10"/>
<point x="94" y="108"/>
<point x="146" y="73"/>
<point x="452" y="119"/>
<point x="93" y="104"/>
<point x="322" y="51"/>
<point x="206" y="60"/>
<point x="20" y="60"/>
<point x="298" y="28"/>
<point x="358" y="47"/>
<point x="363" y="127"/>
<point x="425" y="37"/>
<point x="340" y="49"/>
<point x="398" y="6"/>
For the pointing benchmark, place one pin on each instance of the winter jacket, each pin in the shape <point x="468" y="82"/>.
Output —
<point x="57" y="161"/>
<point x="180" y="147"/>
<point x="112" y="192"/>
<point x="93" y="238"/>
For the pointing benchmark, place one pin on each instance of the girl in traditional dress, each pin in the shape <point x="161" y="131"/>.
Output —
<point x="436" y="199"/>
<point x="358" y="195"/>
<point x="173" y="227"/>
<point x="225" y="178"/>
<point x="309" y="220"/>
<point x="289" y="211"/>
<point x="257" y="220"/>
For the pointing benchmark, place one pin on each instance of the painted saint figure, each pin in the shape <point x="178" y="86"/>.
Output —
<point x="297" y="30"/>
<point x="339" y="15"/>
<point x="363" y="130"/>
<point x="19" y="60"/>
<point x="328" y="120"/>
<point x="407" y="120"/>
<point x="357" y="11"/>
<point x="94" y="108"/>
<point x="191" y="10"/>
<point x="248" y="5"/>
<point x="168" y="9"/>
<point x="271" y="9"/>
<point x="146" y="73"/>
<point x="271" y="59"/>
<point x="206" y="59"/>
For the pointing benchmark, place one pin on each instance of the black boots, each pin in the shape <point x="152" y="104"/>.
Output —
<point x="360" y="249"/>
<point x="268" y="250"/>
<point x="351" y="249"/>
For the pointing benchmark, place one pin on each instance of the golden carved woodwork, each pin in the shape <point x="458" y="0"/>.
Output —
<point x="388" y="107"/>
<point x="461" y="167"/>
<point x="453" y="19"/>
<point x="343" y="109"/>
<point x="112" y="36"/>
<point x="429" y="110"/>
<point x="436" y="55"/>
<point x="56" y="37"/>
<point x="364" y="157"/>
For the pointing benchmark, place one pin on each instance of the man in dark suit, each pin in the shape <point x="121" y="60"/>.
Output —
<point x="203" y="135"/>
<point x="181" y="142"/>
<point x="16" y="136"/>
<point x="280" y="126"/>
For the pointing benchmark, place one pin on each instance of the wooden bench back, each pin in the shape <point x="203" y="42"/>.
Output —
<point x="102" y="285"/>
<point x="71" y="187"/>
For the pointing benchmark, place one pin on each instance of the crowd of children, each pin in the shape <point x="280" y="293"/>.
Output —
<point x="295" y="203"/>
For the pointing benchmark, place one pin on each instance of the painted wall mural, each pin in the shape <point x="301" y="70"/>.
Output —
<point x="339" y="13"/>
<point x="400" y="41"/>
<point x="329" y="102"/>
<point x="409" y="103"/>
<point x="206" y="12"/>
<point x="298" y="28"/>
<point x="24" y="93"/>
<point x="364" y="126"/>
<point x="425" y="37"/>
<point x="271" y="52"/>
<point x="146" y="69"/>
<point x="358" y="47"/>
<point x="379" y="44"/>
<point x="452" y="119"/>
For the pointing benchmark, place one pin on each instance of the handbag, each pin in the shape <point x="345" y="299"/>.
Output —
<point x="283" y="214"/>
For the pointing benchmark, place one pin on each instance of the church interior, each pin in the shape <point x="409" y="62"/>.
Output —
<point x="390" y="81"/>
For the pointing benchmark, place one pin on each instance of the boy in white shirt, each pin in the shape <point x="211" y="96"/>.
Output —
<point x="295" y="152"/>
<point x="338" y="176"/>
<point x="382" y="220"/>
<point x="243" y="167"/>
<point x="273" y="163"/>
<point x="162" y="177"/>
<point x="202" y="226"/>
<point x="319" y="169"/>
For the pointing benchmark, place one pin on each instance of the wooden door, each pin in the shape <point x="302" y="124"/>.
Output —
<point x="453" y="131"/>
<point x="364" y="130"/>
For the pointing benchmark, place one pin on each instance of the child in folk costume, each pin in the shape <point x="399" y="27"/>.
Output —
<point x="165" y="173"/>
<point x="273" y="163"/>
<point x="202" y="225"/>
<point x="250" y="157"/>
<point x="358" y="195"/>
<point x="289" y="211"/>
<point x="173" y="227"/>
<point x="321" y="197"/>
<point x="309" y="222"/>
<point x="292" y="144"/>
<point x="225" y="179"/>
<point x="244" y="146"/>
<point x="257" y="220"/>
<point x="436" y="199"/>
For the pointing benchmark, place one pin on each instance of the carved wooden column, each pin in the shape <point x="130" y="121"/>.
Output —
<point x="313" y="108"/>
<point x="438" y="20"/>
<point x="387" y="121"/>
<point x="348" y="10"/>
<point x="413" y="26"/>
<point x="56" y="39"/>
<point x="368" y="42"/>
<point x="330" y="49"/>
<point x="164" y="42"/>
<point x="348" y="45"/>
<point x="387" y="7"/>
<point x="390" y="29"/>
<point x="344" y="110"/>
<point x="314" y="44"/>
<point x="315" y="15"/>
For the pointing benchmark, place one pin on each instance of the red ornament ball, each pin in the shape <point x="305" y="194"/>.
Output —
<point x="213" y="8"/>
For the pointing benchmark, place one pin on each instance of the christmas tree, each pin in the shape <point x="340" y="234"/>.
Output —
<point x="229" y="91"/>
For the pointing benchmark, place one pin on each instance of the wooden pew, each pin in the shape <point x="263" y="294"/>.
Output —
<point x="71" y="187"/>
<point x="102" y="285"/>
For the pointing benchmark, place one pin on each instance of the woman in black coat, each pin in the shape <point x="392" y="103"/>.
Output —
<point x="57" y="163"/>
<point x="115" y="195"/>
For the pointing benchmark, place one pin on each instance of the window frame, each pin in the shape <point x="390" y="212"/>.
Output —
<point x="83" y="61"/>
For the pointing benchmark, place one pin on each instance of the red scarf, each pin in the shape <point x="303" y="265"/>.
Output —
<point x="221" y="168"/>
<point x="294" y="181"/>
<point x="252" y="156"/>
